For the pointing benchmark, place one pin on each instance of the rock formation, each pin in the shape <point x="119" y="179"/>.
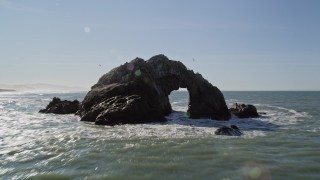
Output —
<point x="233" y="130"/>
<point x="137" y="92"/>
<point x="244" y="111"/>
<point x="56" y="106"/>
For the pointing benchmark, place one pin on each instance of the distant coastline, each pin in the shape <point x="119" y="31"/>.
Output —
<point x="40" y="87"/>
<point x="7" y="90"/>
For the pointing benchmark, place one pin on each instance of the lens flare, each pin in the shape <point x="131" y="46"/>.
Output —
<point x="130" y="66"/>
<point x="187" y="114"/>
<point x="255" y="173"/>
<point x="87" y="29"/>
<point x="255" y="170"/>
<point x="137" y="73"/>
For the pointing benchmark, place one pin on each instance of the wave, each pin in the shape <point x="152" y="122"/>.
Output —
<point x="33" y="126"/>
<point x="282" y="115"/>
<point x="19" y="112"/>
<point x="179" y="126"/>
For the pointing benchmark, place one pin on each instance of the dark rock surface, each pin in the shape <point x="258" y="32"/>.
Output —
<point x="137" y="92"/>
<point x="56" y="106"/>
<point x="233" y="130"/>
<point x="244" y="110"/>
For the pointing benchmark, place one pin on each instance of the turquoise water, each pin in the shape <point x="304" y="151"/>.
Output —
<point x="283" y="144"/>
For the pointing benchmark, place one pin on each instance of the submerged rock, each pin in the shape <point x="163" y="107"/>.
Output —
<point x="56" y="106"/>
<point x="137" y="92"/>
<point x="262" y="113"/>
<point x="244" y="110"/>
<point x="233" y="130"/>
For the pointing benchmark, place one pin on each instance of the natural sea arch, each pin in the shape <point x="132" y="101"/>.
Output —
<point x="138" y="92"/>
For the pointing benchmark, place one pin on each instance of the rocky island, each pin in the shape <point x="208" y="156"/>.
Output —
<point x="137" y="92"/>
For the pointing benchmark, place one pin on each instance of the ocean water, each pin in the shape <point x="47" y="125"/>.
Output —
<point x="283" y="144"/>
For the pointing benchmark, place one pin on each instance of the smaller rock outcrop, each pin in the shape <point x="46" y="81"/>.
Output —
<point x="244" y="110"/>
<point x="56" y="106"/>
<point x="233" y="130"/>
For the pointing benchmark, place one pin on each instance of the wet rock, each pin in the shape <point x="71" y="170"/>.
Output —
<point x="137" y="92"/>
<point x="123" y="110"/>
<point x="56" y="106"/>
<point x="244" y="110"/>
<point x="233" y="130"/>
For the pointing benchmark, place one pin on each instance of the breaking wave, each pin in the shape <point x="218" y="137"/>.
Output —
<point x="20" y="118"/>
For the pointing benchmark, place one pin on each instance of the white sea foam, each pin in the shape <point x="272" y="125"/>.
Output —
<point x="35" y="127"/>
<point x="20" y="118"/>
<point x="314" y="130"/>
<point x="284" y="116"/>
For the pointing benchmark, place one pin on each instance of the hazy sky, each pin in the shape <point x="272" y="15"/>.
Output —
<point x="236" y="45"/>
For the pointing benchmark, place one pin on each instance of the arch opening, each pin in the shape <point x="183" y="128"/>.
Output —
<point x="179" y="100"/>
